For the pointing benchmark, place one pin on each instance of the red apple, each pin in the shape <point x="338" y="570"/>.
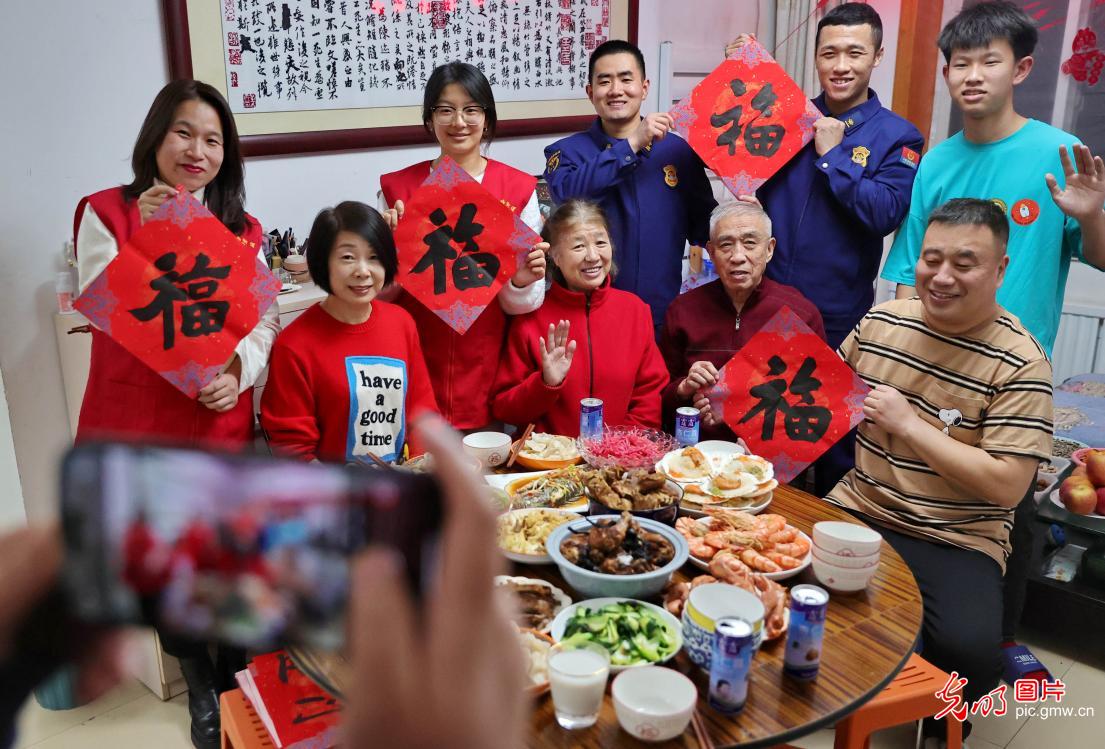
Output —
<point x="1095" y="468"/>
<point x="1079" y="472"/>
<point x="1101" y="501"/>
<point x="1078" y="495"/>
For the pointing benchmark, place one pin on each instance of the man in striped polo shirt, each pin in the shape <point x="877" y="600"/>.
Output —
<point x="958" y="420"/>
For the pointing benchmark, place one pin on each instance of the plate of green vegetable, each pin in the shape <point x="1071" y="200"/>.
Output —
<point x="634" y="632"/>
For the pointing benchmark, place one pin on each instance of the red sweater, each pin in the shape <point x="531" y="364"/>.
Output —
<point x="337" y="392"/>
<point x="125" y="398"/>
<point x="701" y="326"/>
<point x="462" y="367"/>
<point x="616" y="359"/>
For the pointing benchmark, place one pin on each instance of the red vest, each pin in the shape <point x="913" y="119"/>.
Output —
<point x="462" y="368"/>
<point x="124" y="398"/>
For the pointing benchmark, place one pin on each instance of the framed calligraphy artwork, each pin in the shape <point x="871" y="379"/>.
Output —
<point x="746" y="119"/>
<point x="458" y="244"/>
<point x="327" y="75"/>
<point x="181" y="293"/>
<point x="788" y="395"/>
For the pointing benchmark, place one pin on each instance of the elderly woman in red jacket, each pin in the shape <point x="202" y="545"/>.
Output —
<point x="587" y="340"/>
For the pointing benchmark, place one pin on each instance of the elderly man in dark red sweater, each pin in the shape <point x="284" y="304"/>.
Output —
<point x="706" y="326"/>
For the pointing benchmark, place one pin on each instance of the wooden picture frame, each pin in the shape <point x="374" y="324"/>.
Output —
<point x="193" y="55"/>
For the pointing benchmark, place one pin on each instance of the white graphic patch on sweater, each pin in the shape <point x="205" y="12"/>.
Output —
<point x="377" y="407"/>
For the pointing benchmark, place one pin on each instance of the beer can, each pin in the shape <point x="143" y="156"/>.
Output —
<point x="730" y="664"/>
<point x="590" y="418"/>
<point x="686" y="425"/>
<point x="806" y="630"/>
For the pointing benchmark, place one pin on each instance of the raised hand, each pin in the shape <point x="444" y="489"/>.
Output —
<point x="653" y="127"/>
<point x="1084" y="193"/>
<point x="828" y="132"/>
<point x="393" y="214"/>
<point x="151" y="200"/>
<point x="534" y="269"/>
<point x="701" y="374"/>
<point x="737" y="43"/>
<point x="556" y="354"/>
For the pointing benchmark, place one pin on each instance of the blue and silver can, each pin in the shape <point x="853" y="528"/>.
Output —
<point x="686" y="425"/>
<point x="730" y="664"/>
<point x="806" y="630"/>
<point x="590" y="418"/>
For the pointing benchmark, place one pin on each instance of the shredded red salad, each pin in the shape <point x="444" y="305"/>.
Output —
<point x="630" y="448"/>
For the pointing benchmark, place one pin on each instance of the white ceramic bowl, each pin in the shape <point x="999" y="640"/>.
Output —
<point x="708" y="603"/>
<point x="851" y="563"/>
<point x="653" y="703"/>
<point x="490" y="448"/>
<point x="846" y="539"/>
<point x="842" y="579"/>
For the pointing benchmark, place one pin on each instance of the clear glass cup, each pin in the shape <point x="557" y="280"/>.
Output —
<point x="577" y="676"/>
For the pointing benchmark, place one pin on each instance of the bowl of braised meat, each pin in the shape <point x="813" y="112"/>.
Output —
<point x="643" y="492"/>
<point x="617" y="555"/>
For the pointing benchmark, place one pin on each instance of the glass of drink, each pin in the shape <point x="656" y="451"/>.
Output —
<point x="577" y="675"/>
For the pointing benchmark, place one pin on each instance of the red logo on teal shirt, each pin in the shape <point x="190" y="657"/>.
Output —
<point x="1024" y="211"/>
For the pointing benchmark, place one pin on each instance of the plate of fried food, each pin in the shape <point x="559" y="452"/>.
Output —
<point x="543" y="452"/>
<point x="560" y="489"/>
<point x="644" y="493"/>
<point x="522" y="533"/>
<point x="716" y="473"/>
<point x="539" y="601"/>
<point x="767" y="544"/>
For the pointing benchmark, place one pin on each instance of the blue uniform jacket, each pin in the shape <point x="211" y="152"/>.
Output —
<point x="830" y="213"/>
<point x="655" y="200"/>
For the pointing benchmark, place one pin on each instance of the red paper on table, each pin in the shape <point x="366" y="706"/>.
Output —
<point x="746" y="119"/>
<point x="302" y="714"/>
<point x="788" y="395"/>
<point x="181" y="293"/>
<point x="458" y="244"/>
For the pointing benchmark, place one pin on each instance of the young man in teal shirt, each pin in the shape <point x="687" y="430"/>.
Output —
<point x="1011" y="160"/>
<point x="1001" y="156"/>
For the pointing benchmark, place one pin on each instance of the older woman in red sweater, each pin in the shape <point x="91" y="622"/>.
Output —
<point x="588" y="340"/>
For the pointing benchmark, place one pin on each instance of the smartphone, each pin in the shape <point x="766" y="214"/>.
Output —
<point x="248" y="550"/>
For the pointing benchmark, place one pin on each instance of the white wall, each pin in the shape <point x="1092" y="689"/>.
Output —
<point x="68" y="130"/>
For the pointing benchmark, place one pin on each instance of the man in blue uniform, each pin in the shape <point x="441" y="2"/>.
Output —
<point x="651" y="185"/>
<point x="835" y="201"/>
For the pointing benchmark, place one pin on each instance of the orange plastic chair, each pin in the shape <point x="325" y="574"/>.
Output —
<point x="909" y="697"/>
<point x="240" y="726"/>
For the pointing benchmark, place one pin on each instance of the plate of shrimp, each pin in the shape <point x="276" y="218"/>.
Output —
<point x="765" y="543"/>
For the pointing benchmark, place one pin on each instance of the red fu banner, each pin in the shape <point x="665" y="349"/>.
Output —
<point x="788" y="395"/>
<point x="746" y="119"/>
<point x="181" y="294"/>
<point x="458" y="244"/>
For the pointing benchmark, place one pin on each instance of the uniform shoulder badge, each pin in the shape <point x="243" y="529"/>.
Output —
<point x="553" y="162"/>
<point x="910" y="157"/>
<point x="671" y="179"/>
<point x="860" y="154"/>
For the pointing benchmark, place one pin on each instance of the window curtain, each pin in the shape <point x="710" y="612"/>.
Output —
<point x="795" y="31"/>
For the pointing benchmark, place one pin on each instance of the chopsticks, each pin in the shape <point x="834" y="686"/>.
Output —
<point x="519" y="445"/>
<point x="700" y="734"/>
<point x="381" y="462"/>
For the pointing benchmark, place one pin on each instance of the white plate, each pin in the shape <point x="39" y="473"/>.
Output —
<point x="562" y="598"/>
<point x="556" y="629"/>
<point x="1054" y="497"/>
<point x="288" y="288"/>
<point x="542" y="558"/>
<point x="691" y="510"/>
<point x="704" y="564"/>
<point x="719" y="453"/>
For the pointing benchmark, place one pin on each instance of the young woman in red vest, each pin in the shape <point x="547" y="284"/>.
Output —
<point x="588" y="340"/>
<point x="459" y="109"/>
<point x="188" y="138"/>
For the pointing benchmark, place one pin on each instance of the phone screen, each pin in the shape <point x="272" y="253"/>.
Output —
<point x="248" y="550"/>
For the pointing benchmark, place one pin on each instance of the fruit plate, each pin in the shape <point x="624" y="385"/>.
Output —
<point x="704" y="564"/>
<point x="1091" y="519"/>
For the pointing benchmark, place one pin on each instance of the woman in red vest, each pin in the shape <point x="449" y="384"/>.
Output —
<point x="459" y="109"/>
<point x="188" y="138"/>
<point x="588" y="340"/>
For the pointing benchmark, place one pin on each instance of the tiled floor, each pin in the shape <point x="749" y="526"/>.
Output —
<point x="132" y="718"/>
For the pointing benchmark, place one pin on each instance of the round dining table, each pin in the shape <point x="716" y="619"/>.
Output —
<point x="868" y="638"/>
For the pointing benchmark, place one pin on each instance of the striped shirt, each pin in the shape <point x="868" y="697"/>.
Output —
<point x="989" y="388"/>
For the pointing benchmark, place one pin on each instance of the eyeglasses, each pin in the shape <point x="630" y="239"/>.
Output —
<point x="471" y="115"/>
